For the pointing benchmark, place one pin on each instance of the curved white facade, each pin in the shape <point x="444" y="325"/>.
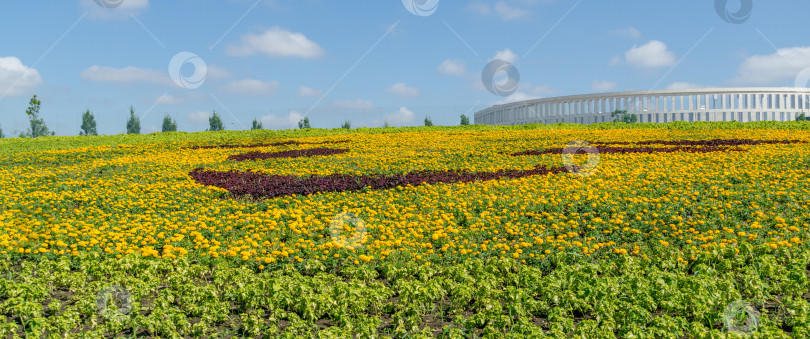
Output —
<point x="706" y="104"/>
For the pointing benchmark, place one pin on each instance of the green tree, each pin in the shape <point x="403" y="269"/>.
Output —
<point x="88" y="124"/>
<point x="303" y="123"/>
<point x="464" y="120"/>
<point x="256" y="124"/>
<point x="622" y="116"/>
<point x="1" y="133"/>
<point x="134" y="123"/>
<point x="215" y="123"/>
<point x="801" y="117"/>
<point x="169" y="125"/>
<point x="38" y="128"/>
<point x="385" y="124"/>
<point x="428" y="122"/>
<point x="347" y="124"/>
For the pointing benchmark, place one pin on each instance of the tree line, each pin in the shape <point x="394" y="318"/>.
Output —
<point x="38" y="128"/>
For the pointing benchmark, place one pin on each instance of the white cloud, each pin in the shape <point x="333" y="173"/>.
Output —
<point x="356" y="104"/>
<point x="653" y="54"/>
<point x="168" y="99"/>
<point x="305" y="91"/>
<point x="517" y="96"/>
<point x="777" y="68"/>
<point x="402" y="90"/>
<point x="684" y="85"/>
<point x="479" y="7"/>
<point x="199" y="116"/>
<point x="603" y="85"/>
<point x="528" y="91"/>
<point x="276" y="42"/>
<point x="629" y="32"/>
<point x="506" y="12"/>
<point x="501" y="9"/>
<point x="281" y="122"/>
<point x="127" y="74"/>
<point x="506" y="55"/>
<point x="15" y="78"/>
<point x="214" y="72"/>
<point x="96" y="9"/>
<point x="452" y="67"/>
<point x="251" y="87"/>
<point x="402" y="117"/>
<point x="615" y="60"/>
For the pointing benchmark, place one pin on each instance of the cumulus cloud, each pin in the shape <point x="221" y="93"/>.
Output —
<point x="501" y="9"/>
<point x="527" y="91"/>
<point x="214" y="72"/>
<point x="452" y="67"/>
<point x="97" y="9"/>
<point x="281" y="122"/>
<point x="628" y="32"/>
<point x="653" y="54"/>
<point x="199" y="116"/>
<point x="479" y="7"/>
<point x="684" y="85"/>
<point x="603" y="85"/>
<point x="402" y="117"/>
<point x="15" y="78"/>
<point x="168" y="99"/>
<point x="507" y="12"/>
<point x="402" y="90"/>
<point x="251" y="87"/>
<point x="276" y="42"/>
<point x="506" y="55"/>
<point x="305" y="91"/>
<point x="127" y="74"/>
<point x="782" y="67"/>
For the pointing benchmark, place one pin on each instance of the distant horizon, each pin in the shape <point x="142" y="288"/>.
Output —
<point x="279" y="61"/>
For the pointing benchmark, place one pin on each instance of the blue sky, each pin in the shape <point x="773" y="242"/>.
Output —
<point x="371" y="61"/>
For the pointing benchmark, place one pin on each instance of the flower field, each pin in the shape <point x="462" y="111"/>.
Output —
<point x="666" y="230"/>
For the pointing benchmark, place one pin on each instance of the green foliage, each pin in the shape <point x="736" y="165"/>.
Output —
<point x="616" y="298"/>
<point x="304" y="123"/>
<point x="71" y="142"/>
<point x="134" y="123"/>
<point x="256" y="124"/>
<point x="214" y="123"/>
<point x="385" y="124"/>
<point x="801" y="117"/>
<point x="88" y="124"/>
<point x="465" y="120"/>
<point x="623" y="116"/>
<point x="169" y="125"/>
<point x="346" y="124"/>
<point x="37" y="125"/>
<point x="428" y="122"/>
<point x="1" y="133"/>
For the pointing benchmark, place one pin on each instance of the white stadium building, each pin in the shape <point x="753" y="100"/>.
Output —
<point x="705" y="104"/>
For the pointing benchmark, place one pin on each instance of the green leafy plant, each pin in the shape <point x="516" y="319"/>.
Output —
<point x="303" y="123"/>
<point x="623" y="116"/>
<point x="428" y="122"/>
<point x="37" y="125"/>
<point x="88" y="124"/>
<point x="134" y="123"/>
<point x="346" y="124"/>
<point x="214" y="123"/>
<point x="465" y="120"/>
<point x="169" y="125"/>
<point x="256" y="124"/>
